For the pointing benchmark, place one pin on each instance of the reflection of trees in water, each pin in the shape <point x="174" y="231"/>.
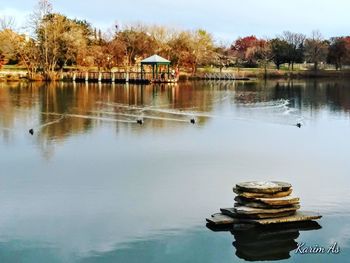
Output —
<point x="27" y="103"/>
<point x="6" y="114"/>
<point x="39" y="104"/>
<point x="316" y="94"/>
<point x="312" y="94"/>
<point x="257" y="243"/>
<point x="338" y="94"/>
<point x="58" y="99"/>
<point x="14" y="96"/>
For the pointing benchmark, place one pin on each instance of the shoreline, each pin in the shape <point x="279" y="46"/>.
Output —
<point x="243" y="75"/>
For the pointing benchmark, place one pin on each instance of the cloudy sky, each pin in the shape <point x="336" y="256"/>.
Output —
<point x="226" y="19"/>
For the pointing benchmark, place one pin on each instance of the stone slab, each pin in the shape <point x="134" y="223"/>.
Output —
<point x="266" y="187"/>
<point x="298" y="216"/>
<point x="232" y="213"/>
<point x="256" y="204"/>
<point x="221" y="219"/>
<point x="263" y="195"/>
<point x="250" y="210"/>
<point x="280" y="201"/>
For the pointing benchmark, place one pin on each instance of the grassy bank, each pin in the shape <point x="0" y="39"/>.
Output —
<point x="259" y="73"/>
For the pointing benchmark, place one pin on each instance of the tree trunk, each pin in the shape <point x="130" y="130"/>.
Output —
<point x="194" y="69"/>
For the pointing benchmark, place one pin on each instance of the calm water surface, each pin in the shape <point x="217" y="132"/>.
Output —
<point x="91" y="185"/>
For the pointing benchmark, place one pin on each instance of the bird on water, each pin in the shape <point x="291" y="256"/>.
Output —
<point x="298" y="125"/>
<point x="140" y="121"/>
<point x="31" y="131"/>
<point x="193" y="121"/>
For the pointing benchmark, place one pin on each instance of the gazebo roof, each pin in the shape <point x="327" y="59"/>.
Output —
<point x="155" y="59"/>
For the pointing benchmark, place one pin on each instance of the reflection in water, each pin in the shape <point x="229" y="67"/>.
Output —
<point x="266" y="242"/>
<point x="85" y="106"/>
<point x="110" y="188"/>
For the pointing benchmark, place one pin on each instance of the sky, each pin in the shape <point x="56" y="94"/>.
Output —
<point x="225" y="19"/>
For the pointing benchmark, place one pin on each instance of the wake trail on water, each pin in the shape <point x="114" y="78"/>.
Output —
<point x="99" y="118"/>
<point x="88" y="117"/>
<point x="142" y="116"/>
<point x="49" y="123"/>
<point x="146" y="108"/>
<point x="266" y="105"/>
<point x="177" y="112"/>
<point x="281" y="113"/>
<point x="189" y="115"/>
<point x="249" y="106"/>
<point x="6" y="129"/>
<point x="120" y="105"/>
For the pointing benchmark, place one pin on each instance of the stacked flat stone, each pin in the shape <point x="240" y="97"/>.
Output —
<point x="267" y="202"/>
<point x="263" y="200"/>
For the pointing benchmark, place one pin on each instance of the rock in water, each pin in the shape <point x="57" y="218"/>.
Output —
<point x="254" y="195"/>
<point x="262" y="203"/>
<point x="265" y="187"/>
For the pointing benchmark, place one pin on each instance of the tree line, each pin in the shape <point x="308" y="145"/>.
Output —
<point x="57" y="42"/>
<point x="291" y="48"/>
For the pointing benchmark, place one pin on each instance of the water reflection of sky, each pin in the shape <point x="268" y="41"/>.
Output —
<point x="98" y="190"/>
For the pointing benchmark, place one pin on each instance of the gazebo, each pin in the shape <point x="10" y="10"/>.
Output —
<point x="155" y="61"/>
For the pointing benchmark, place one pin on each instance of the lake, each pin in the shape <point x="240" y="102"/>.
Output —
<point x="92" y="185"/>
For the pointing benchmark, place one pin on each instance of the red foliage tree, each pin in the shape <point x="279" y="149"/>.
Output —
<point x="242" y="44"/>
<point x="243" y="47"/>
<point x="339" y="51"/>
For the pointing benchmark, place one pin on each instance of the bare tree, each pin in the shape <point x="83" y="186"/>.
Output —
<point x="43" y="8"/>
<point x="295" y="52"/>
<point x="316" y="49"/>
<point x="7" y="22"/>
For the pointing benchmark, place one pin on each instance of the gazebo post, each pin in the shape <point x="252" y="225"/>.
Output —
<point x="153" y="71"/>
<point x="168" y="71"/>
<point x="141" y="71"/>
<point x="156" y="70"/>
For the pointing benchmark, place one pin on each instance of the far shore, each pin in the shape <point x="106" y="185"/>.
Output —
<point x="18" y="74"/>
